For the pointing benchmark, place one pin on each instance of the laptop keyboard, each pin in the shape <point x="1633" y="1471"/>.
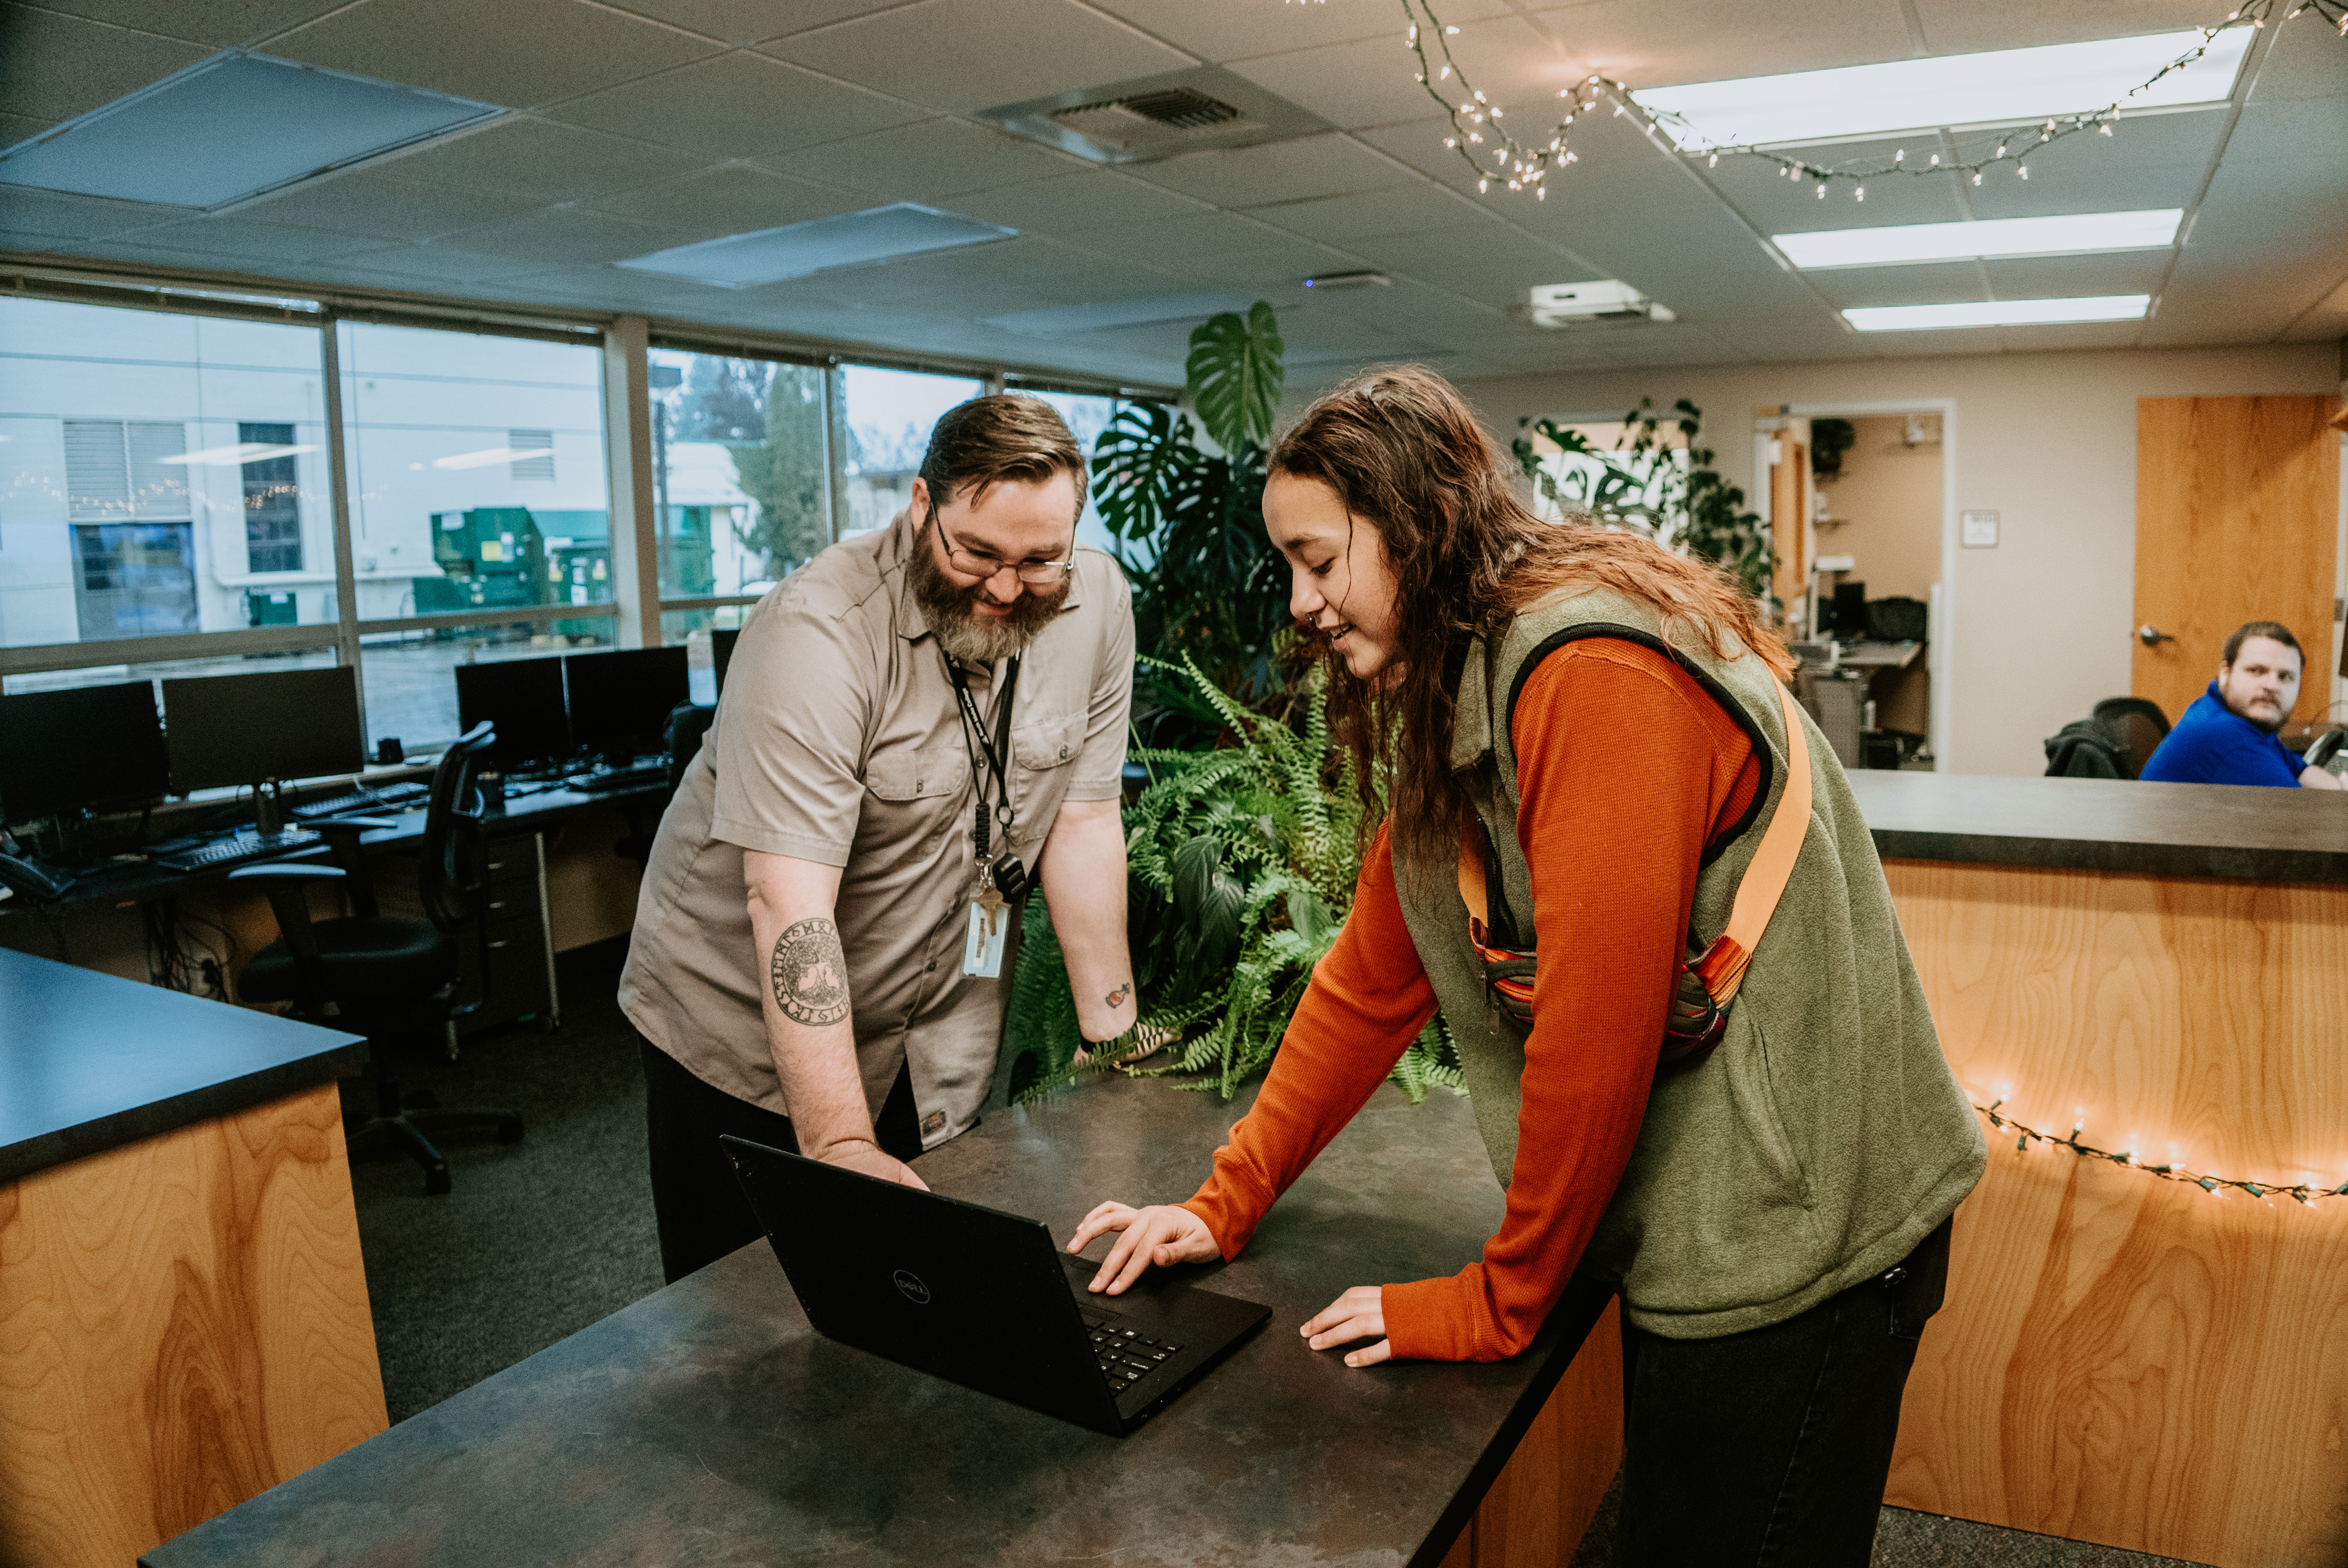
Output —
<point x="1125" y="1354"/>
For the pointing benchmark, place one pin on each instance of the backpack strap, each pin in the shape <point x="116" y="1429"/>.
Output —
<point x="1709" y="982"/>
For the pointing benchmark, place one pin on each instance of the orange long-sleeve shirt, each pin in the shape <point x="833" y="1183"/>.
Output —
<point x="1627" y="771"/>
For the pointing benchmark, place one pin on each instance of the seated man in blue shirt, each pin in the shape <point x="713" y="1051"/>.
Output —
<point x="2228" y="735"/>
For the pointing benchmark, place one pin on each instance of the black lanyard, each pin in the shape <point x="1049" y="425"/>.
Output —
<point x="997" y="755"/>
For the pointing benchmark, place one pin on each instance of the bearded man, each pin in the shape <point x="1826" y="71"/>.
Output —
<point x="2228" y="735"/>
<point x="915" y="724"/>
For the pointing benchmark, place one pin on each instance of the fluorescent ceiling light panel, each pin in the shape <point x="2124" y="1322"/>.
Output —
<point x="2005" y="86"/>
<point x="230" y="128"/>
<point x="1064" y="319"/>
<point x="796" y="250"/>
<point x="2069" y="234"/>
<point x="1998" y="313"/>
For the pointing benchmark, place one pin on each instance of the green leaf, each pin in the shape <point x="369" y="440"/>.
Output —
<point x="1311" y="920"/>
<point x="1235" y="376"/>
<point x="1194" y="869"/>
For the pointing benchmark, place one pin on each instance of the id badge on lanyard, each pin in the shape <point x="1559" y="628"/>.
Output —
<point x="989" y="907"/>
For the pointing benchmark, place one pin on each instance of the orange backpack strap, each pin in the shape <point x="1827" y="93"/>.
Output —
<point x="1709" y="982"/>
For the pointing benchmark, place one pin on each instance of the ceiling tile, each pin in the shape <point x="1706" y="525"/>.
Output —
<point x="565" y="237"/>
<point x="1663" y="42"/>
<point x="2304" y="62"/>
<point x="384" y="206"/>
<point x="216" y="22"/>
<point x="935" y="159"/>
<point x="741" y="199"/>
<point x="55" y="68"/>
<point x="1001" y="51"/>
<point x="1496" y="267"/>
<point x="1370" y="83"/>
<point x="17" y="128"/>
<point x="1408" y="209"/>
<point x="68" y="217"/>
<point x="538" y="162"/>
<point x="1071" y="203"/>
<point x="423" y="264"/>
<point x="742" y="105"/>
<point x="1215" y="248"/>
<point x="239" y="240"/>
<point x="751" y="21"/>
<point x="1927" y="283"/>
<point x="1969" y="26"/>
<point x="1330" y="165"/>
<point x="2073" y="277"/>
<point x="517" y="53"/>
<point x="1222" y="30"/>
<point x="1777" y="205"/>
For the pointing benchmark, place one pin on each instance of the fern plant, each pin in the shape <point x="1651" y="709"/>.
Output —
<point x="1242" y="863"/>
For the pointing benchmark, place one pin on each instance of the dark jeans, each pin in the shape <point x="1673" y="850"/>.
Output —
<point x="696" y="1200"/>
<point x="1772" y="1447"/>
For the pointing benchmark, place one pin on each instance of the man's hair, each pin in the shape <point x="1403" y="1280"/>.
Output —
<point x="2275" y="629"/>
<point x="1002" y="436"/>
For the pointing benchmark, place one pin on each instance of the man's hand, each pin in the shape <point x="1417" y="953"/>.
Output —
<point x="863" y="1155"/>
<point x="1161" y="1233"/>
<point x="1359" y="1314"/>
<point x="2316" y="778"/>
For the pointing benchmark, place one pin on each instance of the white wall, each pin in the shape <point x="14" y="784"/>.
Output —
<point x="2041" y="624"/>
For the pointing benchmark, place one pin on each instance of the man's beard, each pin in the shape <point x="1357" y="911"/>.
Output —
<point x="2241" y="711"/>
<point x="961" y="630"/>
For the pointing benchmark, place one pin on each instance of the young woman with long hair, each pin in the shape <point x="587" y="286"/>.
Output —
<point x="1585" y="744"/>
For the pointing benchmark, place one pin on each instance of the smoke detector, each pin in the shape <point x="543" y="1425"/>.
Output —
<point x="1152" y="118"/>
<point x="1557" y="305"/>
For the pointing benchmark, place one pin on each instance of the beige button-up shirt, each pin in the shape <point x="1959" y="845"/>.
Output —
<point x="839" y="741"/>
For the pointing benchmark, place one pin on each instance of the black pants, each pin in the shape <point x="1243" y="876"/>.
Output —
<point x="1771" y="1447"/>
<point x="697" y="1201"/>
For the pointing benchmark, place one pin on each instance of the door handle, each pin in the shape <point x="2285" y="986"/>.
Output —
<point x="2152" y="636"/>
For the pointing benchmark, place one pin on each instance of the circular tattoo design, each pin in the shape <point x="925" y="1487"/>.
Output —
<point x="810" y="974"/>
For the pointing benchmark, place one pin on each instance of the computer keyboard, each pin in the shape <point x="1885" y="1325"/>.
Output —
<point x="1125" y="1354"/>
<point x="227" y="851"/>
<point x="391" y="797"/>
<point x="637" y="777"/>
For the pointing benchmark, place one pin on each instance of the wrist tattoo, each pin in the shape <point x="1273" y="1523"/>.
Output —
<point x="810" y="974"/>
<point x="1117" y="998"/>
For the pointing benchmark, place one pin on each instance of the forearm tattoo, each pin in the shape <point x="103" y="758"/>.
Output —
<point x="810" y="974"/>
<point x="1115" y="998"/>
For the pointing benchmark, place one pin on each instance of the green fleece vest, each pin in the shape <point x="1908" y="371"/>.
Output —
<point x="1825" y="1136"/>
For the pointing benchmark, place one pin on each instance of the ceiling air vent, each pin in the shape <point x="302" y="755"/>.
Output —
<point x="1153" y="117"/>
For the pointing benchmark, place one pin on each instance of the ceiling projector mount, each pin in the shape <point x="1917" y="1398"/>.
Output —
<point x="1556" y="305"/>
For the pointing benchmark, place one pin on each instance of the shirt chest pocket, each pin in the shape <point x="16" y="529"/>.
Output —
<point x="909" y="773"/>
<point x="1042" y="754"/>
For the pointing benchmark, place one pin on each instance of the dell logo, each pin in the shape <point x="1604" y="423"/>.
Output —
<point x="908" y="1285"/>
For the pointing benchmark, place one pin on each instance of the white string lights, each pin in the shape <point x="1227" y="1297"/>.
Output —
<point x="1499" y="158"/>
<point x="2308" y="1191"/>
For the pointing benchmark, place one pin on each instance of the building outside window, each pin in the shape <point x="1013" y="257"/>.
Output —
<point x="273" y="506"/>
<point x="890" y="413"/>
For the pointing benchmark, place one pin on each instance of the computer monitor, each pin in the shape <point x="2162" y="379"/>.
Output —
<point x="84" y="746"/>
<point x="721" y="654"/>
<point x="523" y="698"/>
<point x="226" y="730"/>
<point x="620" y="702"/>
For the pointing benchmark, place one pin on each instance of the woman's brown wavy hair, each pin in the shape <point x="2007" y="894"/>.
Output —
<point x="1404" y="452"/>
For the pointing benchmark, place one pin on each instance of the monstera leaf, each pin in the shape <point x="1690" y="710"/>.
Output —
<point x="1137" y="465"/>
<point x="1235" y="376"/>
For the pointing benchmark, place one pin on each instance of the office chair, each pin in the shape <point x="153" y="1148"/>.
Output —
<point x="381" y="975"/>
<point x="2136" y="726"/>
<point x="688" y="727"/>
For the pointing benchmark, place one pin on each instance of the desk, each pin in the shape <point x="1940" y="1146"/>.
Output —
<point x="2124" y="1359"/>
<point x="709" y="1423"/>
<point x="184" y="1312"/>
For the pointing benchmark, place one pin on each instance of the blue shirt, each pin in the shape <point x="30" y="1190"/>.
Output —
<point x="2214" y="745"/>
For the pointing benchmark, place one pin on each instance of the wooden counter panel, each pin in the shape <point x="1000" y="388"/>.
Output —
<point x="183" y="1324"/>
<point x="2123" y="1360"/>
<point x="1537" y="1511"/>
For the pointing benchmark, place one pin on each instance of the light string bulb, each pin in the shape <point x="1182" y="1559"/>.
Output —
<point x="2310" y="1190"/>
<point x="1473" y="115"/>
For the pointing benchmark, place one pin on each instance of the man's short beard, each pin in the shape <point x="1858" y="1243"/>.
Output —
<point x="950" y="610"/>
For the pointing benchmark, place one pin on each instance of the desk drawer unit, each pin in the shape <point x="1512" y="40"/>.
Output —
<point x="520" y="979"/>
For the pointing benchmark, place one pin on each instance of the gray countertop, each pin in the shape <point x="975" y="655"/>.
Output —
<point x="709" y="1423"/>
<point x="2109" y="824"/>
<point x="90" y="1061"/>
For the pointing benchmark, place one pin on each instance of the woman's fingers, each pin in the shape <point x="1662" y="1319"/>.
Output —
<point x="1108" y="1216"/>
<point x="1359" y="1314"/>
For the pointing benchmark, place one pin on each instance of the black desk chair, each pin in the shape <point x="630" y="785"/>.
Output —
<point x="2137" y="725"/>
<point x="384" y="975"/>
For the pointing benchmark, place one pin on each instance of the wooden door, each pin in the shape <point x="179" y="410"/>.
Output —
<point x="1789" y="514"/>
<point x="2237" y="516"/>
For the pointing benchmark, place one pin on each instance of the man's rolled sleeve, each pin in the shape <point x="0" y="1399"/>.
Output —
<point x="1100" y="766"/>
<point x="790" y="738"/>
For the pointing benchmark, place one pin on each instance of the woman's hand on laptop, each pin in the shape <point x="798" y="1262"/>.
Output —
<point x="871" y="1160"/>
<point x="1161" y="1233"/>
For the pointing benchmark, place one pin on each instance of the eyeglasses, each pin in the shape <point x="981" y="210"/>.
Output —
<point x="980" y="564"/>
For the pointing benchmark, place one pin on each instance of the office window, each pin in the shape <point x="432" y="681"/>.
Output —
<point x="890" y="413"/>
<point x="273" y="499"/>
<point x="166" y="669"/>
<point x="127" y="493"/>
<point x="1086" y="414"/>
<point x="739" y="479"/>
<point x="407" y="680"/>
<point x="454" y="510"/>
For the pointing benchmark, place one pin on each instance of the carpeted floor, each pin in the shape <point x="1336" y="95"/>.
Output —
<point x="540" y="1238"/>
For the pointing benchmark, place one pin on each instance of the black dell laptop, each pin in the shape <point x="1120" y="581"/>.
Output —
<point x="980" y="1298"/>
